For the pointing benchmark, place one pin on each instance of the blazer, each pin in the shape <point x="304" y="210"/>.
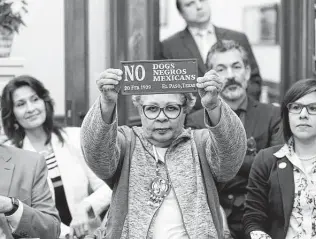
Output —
<point x="23" y="175"/>
<point x="262" y="122"/>
<point x="182" y="46"/>
<point x="270" y="196"/>
<point x="80" y="183"/>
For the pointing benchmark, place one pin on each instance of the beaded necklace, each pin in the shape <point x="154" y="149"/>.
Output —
<point x="291" y="149"/>
<point x="159" y="187"/>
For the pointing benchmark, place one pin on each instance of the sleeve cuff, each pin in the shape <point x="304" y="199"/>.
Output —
<point x="259" y="235"/>
<point x="15" y="218"/>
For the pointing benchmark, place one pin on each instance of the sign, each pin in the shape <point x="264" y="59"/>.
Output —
<point x="159" y="77"/>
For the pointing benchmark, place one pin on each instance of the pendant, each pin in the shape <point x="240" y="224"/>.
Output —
<point x="159" y="189"/>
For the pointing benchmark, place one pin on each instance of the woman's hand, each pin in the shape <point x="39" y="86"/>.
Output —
<point x="209" y="87"/>
<point x="79" y="225"/>
<point x="108" y="84"/>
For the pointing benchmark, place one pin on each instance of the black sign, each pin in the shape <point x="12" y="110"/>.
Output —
<point x="154" y="77"/>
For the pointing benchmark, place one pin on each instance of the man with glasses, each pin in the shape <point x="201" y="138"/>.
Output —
<point x="261" y="122"/>
<point x="158" y="179"/>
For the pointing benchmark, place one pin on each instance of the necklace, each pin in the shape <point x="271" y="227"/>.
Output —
<point x="291" y="149"/>
<point x="159" y="187"/>
<point x="47" y="150"/>
<point x="308" y="159"/>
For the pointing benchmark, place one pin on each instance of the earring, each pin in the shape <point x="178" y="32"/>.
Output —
<point x="16" y="126"/>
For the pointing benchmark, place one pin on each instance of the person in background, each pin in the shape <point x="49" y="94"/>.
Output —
<point x="261" y="122"/>
<point x="197" y="38"/>
<point x="281" y="192"/>
<point x="159" y="184"/>
<point x="27" y="208"/>
<point x="28" y="120"/>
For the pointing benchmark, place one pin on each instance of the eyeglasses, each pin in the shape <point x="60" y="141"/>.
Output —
<point x="296" y="108"/>
<point x="153" y="111"/>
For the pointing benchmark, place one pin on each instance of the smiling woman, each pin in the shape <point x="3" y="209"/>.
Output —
<point x="288" y="170"/>
<point x="28" y="120"/>
<point x="28" y="108"/>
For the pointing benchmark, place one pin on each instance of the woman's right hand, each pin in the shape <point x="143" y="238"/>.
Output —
<point x="108" y="84"/>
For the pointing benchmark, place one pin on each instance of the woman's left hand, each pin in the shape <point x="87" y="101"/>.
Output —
<point x="79" y="225"/>
<point x="209" y="87"/>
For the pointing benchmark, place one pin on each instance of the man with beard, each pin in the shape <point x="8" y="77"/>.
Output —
<point x="261" y="122"/>
<point x="197" y="38"/>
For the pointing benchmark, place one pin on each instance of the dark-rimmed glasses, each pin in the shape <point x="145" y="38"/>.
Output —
<point x="171" y="111"/>
<point x="296" y="108"/>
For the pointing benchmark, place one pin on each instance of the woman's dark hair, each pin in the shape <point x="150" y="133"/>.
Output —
<point x="297" y="91"/>
<point x="17" y="134"/>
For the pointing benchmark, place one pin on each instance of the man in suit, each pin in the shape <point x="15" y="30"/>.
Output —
<point x="198" y="37"/>
<point x="261" y="121"/>
<point x="26" y="205"/>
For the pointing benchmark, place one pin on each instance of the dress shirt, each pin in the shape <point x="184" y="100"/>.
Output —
<point x="204" y="39"/>
<point x="242" y="110"/>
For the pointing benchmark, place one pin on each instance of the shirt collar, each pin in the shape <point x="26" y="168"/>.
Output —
<point x="286" y="150"/>
<point x="197" y="31"/>
<point x="244" y="105"/>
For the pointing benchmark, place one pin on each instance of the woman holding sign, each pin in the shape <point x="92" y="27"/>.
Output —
<point x="163" y="176"/>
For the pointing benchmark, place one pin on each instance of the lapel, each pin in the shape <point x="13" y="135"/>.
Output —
<point x="6" y="170"/>
<point x="190" y="44"/>
<point x="75" y="187"/>
<point x="252" y="117"/>
<point x="286" y="183"/>
<point x="220" y="33"/>
<point x="62" y="155"/>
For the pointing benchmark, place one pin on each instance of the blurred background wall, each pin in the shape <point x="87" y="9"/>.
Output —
<point x="41" y="47"/>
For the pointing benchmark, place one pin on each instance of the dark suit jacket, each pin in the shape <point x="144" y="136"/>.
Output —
<point x="23" y="175"/>
<point x="182" y="46"/>
<point x="270" y="195"/>
<point x="262" y="122"/>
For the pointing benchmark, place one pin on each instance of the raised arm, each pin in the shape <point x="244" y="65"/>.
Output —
<point x="225" y="141"/>
<point x="102" y="145"/>
<point x="225" y="144"/>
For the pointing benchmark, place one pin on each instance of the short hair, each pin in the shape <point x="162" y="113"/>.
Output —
<point x="188" y="100"/>
<point x="224" y="46"/>
<point x="296" y="91"/>
<point x="17" y="134"/>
